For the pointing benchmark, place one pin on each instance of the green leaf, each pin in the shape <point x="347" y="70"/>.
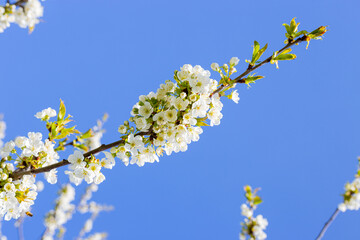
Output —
<point x="255" y="50"/>
<point x="201" y="122"/>
<point x="317" y="33"/>
<point x="81" y="146"/>
<point x="257" y="200"/>
<point x="260" y="52"/>
<point x="299" y="33"/>
<point x="252" y="79"/>
<point x="285" y="51"/>
<point x="53" y="131"/>
<point x="176" y="77"/>
<point x="87" y="134"/>
<point x="62" y="111"/>
<point x="293" y="26"/>
<point x="291" y="30"/>
<point x="247" y="189"/>
<point x="283" y="57"/>
<point x="66" y="131"/>
<point x="287" y="27"/>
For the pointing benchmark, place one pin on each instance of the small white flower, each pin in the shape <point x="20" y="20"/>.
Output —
<point x="45" y="114"/>
<point x="122" y="129"/>
<point x="94" y="167"/>
<point x="108" y="161"/>
<point x="74" y="179"/>
<point x="171" y="115"/>
<point x="76" y="159"/>
<point x="215" y="67"/>
<point x="234" y="61"/>
<point x="146" y="110"/>
<point x="142" y="124"/>
<point x="99" y="178"/>
<point x="235" y="96"/>
<point x="9" y="187"/>
<point x="246" y="211"/>
<point x="21" y="142"/>
<point x="85" y="173"/>
<point x="51" y="176"/>
<point x="180" y="104"/>
<point x="6" y="150"/>
<point x="160" y="118"/>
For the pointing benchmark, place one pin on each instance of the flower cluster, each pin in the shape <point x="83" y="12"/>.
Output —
<point x="170" y="119"/>
<point x="32" y="150"/>
<point x="2" y="132"/>
<point x="25" y="15"/>
<point x="62" y="213"/>
<point x="83" y="206"/>
<point x="94" y="209"/>
<point x="167" y="120"/>
<point x="65" y="209"/>
<point x="88" y="168"/>
<point x="252" y="227"/>
<point x="16" y="197"/>
<point x="352" y="194"/>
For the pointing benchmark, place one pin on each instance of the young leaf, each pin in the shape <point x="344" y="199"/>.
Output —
<point x="293" y="26"/>
<point x="62" y="111"/>
<point x="87" y="134"/>
<point x="285" y="57"/>
<point x="260" y="52"/>
<point x="257" y="200"/>
<point x="255" y="51"/>
<point x="201" y="122"/>
<point x="252" y="79"/>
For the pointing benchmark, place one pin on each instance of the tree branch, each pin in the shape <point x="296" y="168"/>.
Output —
<point x="240" y="79"/>
<point x="327" y="224"/>
<point x="18" y="173"/>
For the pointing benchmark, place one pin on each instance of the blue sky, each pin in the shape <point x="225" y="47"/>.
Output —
<point x="295" y="133"/>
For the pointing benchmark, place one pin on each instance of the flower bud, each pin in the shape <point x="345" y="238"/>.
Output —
<point x="215" y="67"/>
<point x="234" y="61"/>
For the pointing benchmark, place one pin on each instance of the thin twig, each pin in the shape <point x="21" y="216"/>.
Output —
<point x="240" y="79"/>
<point x="327" y="224"/>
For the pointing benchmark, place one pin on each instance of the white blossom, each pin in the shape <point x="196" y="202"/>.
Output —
<point x="62" y="213"/>
<point x="215" y="67"/>
<point x="6" y="150"/>
<point x="46" y="114"/>
<point x="351" y="195"/>
<point x="234" y="61"/>
<point x="235" y="96"/>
